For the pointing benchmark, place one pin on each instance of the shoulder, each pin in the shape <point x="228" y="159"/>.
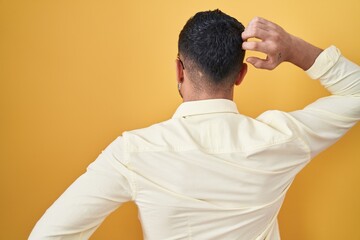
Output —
<point x="281" y="121"/>
<point x="152" y="137"/>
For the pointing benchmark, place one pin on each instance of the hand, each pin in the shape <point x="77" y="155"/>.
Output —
<point x="278" y="45"/>
<point x="274" y="42"/>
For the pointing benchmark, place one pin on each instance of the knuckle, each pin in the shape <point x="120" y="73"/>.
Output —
<point x="255" y="31"/>
<point x="257" y="19"/>
<point x="272" y="65"/>
<point x="269" y="67"/>
<point x="250" y="30"/>
<point x="254" y="21"/>
<point x="255" y="45"/>
<point x="274" y="49"/>
<point x="260" y="64"/>
<point x="277" y="36"/>
<point x="255" y="26"/>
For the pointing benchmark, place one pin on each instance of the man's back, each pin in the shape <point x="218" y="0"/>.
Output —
<point x="211" y="172"/>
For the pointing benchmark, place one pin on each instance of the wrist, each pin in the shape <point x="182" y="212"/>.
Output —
<point x="302" y="53"/>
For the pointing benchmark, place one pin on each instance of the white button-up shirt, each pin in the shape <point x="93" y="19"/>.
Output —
<point x="209" y="172"/>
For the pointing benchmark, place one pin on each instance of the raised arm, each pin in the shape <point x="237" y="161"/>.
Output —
<point x="323" y="122"/>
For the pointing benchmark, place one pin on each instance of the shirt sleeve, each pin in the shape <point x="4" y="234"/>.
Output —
<point x="323" y="122"/>
<point x="78" y="212"/>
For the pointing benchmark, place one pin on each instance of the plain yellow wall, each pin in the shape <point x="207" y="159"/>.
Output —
<point x="75" y="74"/>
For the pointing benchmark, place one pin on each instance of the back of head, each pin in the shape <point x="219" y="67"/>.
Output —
<point x="210" y="47"/>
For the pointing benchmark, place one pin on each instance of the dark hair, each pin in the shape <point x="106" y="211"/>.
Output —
<point x="212" y="41"/>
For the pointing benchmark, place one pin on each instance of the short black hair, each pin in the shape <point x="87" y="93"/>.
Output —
<point x="212" y="41"/>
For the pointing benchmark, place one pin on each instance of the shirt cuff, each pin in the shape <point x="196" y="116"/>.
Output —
<point x="324" y="62"/>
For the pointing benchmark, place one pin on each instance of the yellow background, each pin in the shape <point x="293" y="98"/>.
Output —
<point x="75" y="74"/>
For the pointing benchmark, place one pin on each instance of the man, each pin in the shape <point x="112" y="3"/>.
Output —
<point x="210" y="172"/>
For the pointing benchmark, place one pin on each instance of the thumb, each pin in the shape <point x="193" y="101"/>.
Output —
<point x="256" y="62"/>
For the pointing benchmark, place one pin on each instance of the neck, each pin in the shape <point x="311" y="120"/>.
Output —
<point x="197" y="96"/>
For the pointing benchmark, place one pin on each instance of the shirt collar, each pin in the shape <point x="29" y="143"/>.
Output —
<point x="191" y="108"/>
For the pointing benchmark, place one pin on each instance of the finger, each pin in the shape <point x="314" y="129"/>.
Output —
<point x="256" y="20"/>
<point x="256" y="62"/>
<point x="256" y="46"/>
<point x="261" y="63"/>
<point x="258" y="26"/>
<point x="263" y="22"/>
<point x="255" y="32"/>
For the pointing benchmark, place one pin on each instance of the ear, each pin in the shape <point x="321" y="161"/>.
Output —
<point x="179" y="71"/>
<point x="241" y="74"/>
